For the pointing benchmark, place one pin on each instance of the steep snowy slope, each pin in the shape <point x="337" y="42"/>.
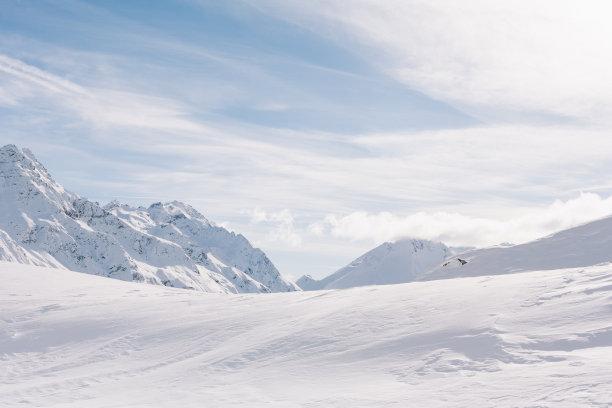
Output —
<point x="214" y="247"/>
<point x="389" y="263"/>
<point x="536" y="339"/>
<point x="12" y="252"/>
<point x="585" y="245"/>
<point x="43" y="224"/>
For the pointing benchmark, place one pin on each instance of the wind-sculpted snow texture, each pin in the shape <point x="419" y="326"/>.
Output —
<point x="389" y="263"/>
<point x="535" y="339"/>
<point x="41" y="223"/>
<point x="585" y="245"/>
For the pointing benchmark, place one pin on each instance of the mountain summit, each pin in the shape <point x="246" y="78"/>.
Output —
<point x="389" y="263"/>
<point x="170" y="244"/>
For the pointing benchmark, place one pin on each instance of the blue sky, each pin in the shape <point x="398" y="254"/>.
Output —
<point x="321" y="129"/>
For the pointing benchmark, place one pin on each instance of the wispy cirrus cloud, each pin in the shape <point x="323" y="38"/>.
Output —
<point x="446" y="177"/>
<point x="30" y="85"/>
<point x="35" y="76"/>
<point x="522" y="60"/>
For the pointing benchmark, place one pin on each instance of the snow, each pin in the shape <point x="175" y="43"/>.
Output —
<point x="531" y="339"/>
<point x="473" y="331"/>
<point x="389" y="263"/>
<point x="584" y="245"/>
<point x="412" y="259"/>
<point x="170" y="244"/>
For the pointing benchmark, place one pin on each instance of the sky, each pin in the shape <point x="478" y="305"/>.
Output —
<point x="321" y="129"/>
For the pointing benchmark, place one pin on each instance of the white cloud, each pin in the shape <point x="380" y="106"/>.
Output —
<point x="272" y="107"/>
<point x="490" y="171"/>
<point x="494" y="59"/>
<point x="28" y="85"/>
<point x="458" y="229"/>
<point x="37" y="76"/>
<point x="340" y="238"/>
<point x="479" y="180"/>
<point x="281" y="228"/>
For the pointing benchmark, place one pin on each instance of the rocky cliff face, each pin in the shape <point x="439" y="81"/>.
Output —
<point x="167" y="244"/>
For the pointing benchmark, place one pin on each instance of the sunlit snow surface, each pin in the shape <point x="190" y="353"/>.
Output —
<point x="534" y="339"/>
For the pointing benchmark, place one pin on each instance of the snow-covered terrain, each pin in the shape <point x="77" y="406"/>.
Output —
<point x="472" y="332"/>
<point x="411" y="259"/>
<point x="585" y="245"/>
<point x="171" y="244"/>
<point x="534" y="339"/>
<point x="389" y="263"/>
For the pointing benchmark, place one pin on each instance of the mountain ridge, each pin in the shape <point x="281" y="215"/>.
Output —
<point x="389" y="263"/>
<point x="580" y="246"/>
<point x="46" y="225"/>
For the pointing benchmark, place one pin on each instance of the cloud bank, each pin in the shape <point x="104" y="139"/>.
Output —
<point x="461" y="230"/>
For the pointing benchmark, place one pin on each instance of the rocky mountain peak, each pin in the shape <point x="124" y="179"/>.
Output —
<point x="25" y="181"/>
<point x="169" y="244"/>
<point x="22" y="160"/>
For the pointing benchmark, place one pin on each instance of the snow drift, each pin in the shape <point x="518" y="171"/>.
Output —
<point x="535" y="339"/>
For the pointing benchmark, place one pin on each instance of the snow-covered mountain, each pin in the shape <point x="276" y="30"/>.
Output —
<point x="389" y="263"/>
<point x="171" y="244"/>
<point x="585" y="245"/>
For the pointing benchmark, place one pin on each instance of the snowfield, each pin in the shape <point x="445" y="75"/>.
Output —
<point x="531" y="339"/>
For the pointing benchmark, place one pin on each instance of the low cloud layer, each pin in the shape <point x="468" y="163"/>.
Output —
<point x="462" y="230"/>
<point x="343" y="237"/>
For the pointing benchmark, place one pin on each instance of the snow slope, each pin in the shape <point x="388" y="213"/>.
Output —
<point x="587" y="244"/>
<point x="171" y="244"/>
<point x="389" y="263"/>
<point x="214" y="247"/>
<point x="535" y="339"/>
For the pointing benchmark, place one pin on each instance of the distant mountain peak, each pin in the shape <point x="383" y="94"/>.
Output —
<point x="389" y="263"/>
<point x="11" y="150"/>
<point x="112" y="204"/>
<point x="25" y="182"/>
<point x="175" y="209"/>
<point x="307" y="282"/>
<point x="12" y="155"/>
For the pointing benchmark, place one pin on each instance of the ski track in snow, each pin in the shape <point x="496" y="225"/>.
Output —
<point x="533" y="339"/>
